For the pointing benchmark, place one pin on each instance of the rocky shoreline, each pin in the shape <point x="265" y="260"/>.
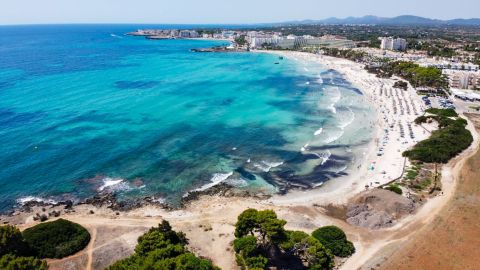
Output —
<point x="109" y="200"/>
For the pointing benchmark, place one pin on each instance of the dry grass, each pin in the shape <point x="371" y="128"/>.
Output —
<point x="451" y="241"/>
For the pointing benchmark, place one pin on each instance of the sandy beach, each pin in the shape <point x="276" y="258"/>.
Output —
<point x="209" y="221"/>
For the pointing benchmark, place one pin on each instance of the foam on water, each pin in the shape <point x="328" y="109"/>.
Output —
<point x="318" y="132"/>
<point x="24" y="200"/>
<point x="304" y="148"/>
<point x="215" y="180"/>
<point x="320" y="79"/>
<point x="349" y="120"/>
<point x="111" y="184"/>
<point x="324" y="156"/>
<point x="266" y="166"/>
<point x="334" y="137"/>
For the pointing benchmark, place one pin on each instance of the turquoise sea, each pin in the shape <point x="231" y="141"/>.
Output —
<point x="85" y="109"/>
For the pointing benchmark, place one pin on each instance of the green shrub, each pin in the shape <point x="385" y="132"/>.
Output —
<point x="442" y="112"/>
<point x="395" y="188"/>
<point x="261" y="232"/>
<point x="11" y="241"/>
<point x="246" y="245"/>
<point x="335" y="240"/>
<point x="12" y="262"/>
<point x="161" y="248"/>
<point x="443" y="144"/>
<point x="56" y="239"/>
<point x="421" y="119"/>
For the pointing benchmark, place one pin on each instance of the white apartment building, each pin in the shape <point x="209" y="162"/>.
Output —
<point x="188" y="34"/>
<point x="294" y="42"/>
<point x="463" y="79"/>
<point x="448" y="65"/>
<point x="393" y="44"/>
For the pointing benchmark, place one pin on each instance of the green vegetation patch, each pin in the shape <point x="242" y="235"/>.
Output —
<point x="12" y="262"/>
<point x="442" y="112"/>
<point x="12" y="242"/>
<point x="15" y="253"/>
<point x="335" y="240"/>
<point x="162" y="248"/>
<point x="262" y="242"/>
<point x="395" y="188"/>
<point x="421" y="185"/>
<point x="443" y="144"/>
<point x="56" y="239"/>
<point x="416" y="75"/>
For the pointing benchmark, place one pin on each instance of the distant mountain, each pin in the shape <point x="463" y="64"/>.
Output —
<point x="400" y="20"/>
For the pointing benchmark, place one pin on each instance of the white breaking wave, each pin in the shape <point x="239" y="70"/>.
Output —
<point x="349" y="121"/>
<point x="334" y="138"/>
<point x="304" y="148"/>
<point x="113" y="184"/>
<point x="306" y="69"/>
<point x="318" y="132"/>
<point x="326" y="156"/>
<point x="307" y="83"/>
<point x="320" y="80"/>
<point x="266" y="166"/>
<point x="341" y="169"/>
<point x="237" y="182"/>
<point x="318" y="185"/>
<point x="336" y="95"/>
<point x="27" y="199"/>
<point x="332" y="108"/>
<point x="216" y="179"/>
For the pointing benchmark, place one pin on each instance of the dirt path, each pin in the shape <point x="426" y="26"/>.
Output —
<point x="90" y="249"/>
<point x="452" y="239"/>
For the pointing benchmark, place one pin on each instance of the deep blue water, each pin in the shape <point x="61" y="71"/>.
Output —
<point x="84" y="109"/>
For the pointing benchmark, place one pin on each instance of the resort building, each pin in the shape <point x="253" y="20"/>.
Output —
<point x="295" y="42"/>
<point x="448" y="65"/>
<point x="393" y="44"/>
<point x="463" y="79"/>
<point x="188" y="34"/>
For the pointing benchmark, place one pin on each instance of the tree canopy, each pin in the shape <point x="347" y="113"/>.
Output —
<point x="443" y="144"/>
<point x="56" y="239"/>
<point x="162" y="248"/>
<point x="12" y="262"/>
<point x="262" y="241"/>
<point x="11" y="241"/>
<point x="15" y="253"/>
<point x="335" y="240"/>
<point x="416" y="75"/>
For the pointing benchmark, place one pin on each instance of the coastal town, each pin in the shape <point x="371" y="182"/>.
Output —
<point x="461" y="68"/>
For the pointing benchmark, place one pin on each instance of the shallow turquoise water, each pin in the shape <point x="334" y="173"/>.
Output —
<point x="85" y="109"/>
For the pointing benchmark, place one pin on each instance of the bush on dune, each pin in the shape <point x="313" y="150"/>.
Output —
<point x="12" y="242"/>
<point x="443" y="144"/>
<point x="395" y="188"/>
<point x="162" y="248"/>
<point x="262" y="242"/>
<point x="12" y="262"/>
<point x="334" y="239"/>
<point x="15" y="253"/>
<point x="56" y="239"/>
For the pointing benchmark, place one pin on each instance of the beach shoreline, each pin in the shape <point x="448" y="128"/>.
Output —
<point x="301" y="209"/>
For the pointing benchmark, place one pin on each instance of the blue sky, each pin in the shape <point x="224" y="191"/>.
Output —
<point x="218" y="11"/>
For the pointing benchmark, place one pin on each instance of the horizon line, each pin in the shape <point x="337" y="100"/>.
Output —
<point x="216" y="23"/>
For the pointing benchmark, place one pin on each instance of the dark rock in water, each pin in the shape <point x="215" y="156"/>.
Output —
<point x="245" y="174"/>
<point x="68" y="204"/>
<point x="227" y="101"/>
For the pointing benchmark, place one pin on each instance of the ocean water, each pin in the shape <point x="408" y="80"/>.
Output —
<point x="86" y="109"/>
